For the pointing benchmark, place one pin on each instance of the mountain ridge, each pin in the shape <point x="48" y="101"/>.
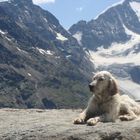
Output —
<point x="107" y="28"/>
<point x="43" y="63"/>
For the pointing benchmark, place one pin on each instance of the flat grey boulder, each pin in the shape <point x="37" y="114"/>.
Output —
<point x="35" y="124"/>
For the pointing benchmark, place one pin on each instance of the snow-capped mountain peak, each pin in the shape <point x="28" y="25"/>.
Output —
<point x="112" y="42"/>
<point x="119" y="53"/>
<point x="116" y="4"/>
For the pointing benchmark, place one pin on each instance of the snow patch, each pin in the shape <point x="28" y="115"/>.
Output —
<point x="45" y="52"/>
<point x="49" y="52"/>
<point x="3" y="33"/>
<point x="102" y="58"/>
<point x="50" y="29"/>
<point x="118" y="3"/>
<point x="78" y="36"/>
<point x="54" y="26"/>
<point x="60" y="37"/>
<point x="132" y="88"/>
<point x="57" y="57"/>
<point x="21" y="50"/>
<point x="8" y="39"/>
<point x="4" y="0"/>
<point x="136" y="8"/>
<point x="43" y="1"/>
<point x="29" y="74"/>
<point x="18" y="49"/>
<point x="26" y="12"/>
<point x="45" y="20"/>
<point x="116" y="52"/>
<point x="68" y="56"/>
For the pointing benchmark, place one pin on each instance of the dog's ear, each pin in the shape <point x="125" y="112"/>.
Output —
<point x="113" y="88"/>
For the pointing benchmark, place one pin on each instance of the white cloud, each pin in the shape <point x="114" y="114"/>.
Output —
<point x="43" y="1"/>
<point x="3" y="0"/>
<point x="79" y="9"/>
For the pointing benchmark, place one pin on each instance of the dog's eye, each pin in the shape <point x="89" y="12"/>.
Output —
<point x="94" y="78"/>
<point x="101" y="79"/>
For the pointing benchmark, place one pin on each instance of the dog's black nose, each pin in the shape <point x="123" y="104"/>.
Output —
<point x="91" y="87"/>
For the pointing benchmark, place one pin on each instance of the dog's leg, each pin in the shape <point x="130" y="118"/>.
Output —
<point x="107" y="117"/>
<point x="128" y="117"/>
<point x="81" y="119"/>
<point x="103" y="118"/>
<point x="87" y="113"/>
<point x="94" y="121"/>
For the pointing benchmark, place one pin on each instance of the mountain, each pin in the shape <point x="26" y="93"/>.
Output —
<point x="112" y="42"/>
<point x="109" y="26"/>
<point x="41" y="64"/>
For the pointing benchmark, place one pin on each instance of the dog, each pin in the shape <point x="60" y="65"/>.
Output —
<point x="107" y="105"/>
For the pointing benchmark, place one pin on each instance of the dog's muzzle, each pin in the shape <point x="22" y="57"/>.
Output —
<point x="91" y="87"/>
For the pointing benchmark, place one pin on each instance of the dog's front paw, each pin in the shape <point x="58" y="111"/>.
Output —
<point x="127" y="118"/>
<point x="79" y="121"/>
<point x="123" y="118"/>
<point x="92" y="121"/>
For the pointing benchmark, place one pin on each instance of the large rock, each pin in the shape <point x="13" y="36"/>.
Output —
<point x="57" y="125"/>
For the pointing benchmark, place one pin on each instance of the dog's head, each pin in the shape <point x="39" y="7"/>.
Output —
<point x="103" y="82"/>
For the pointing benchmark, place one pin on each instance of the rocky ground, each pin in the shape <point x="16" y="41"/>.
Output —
<point x="57" y="125"/>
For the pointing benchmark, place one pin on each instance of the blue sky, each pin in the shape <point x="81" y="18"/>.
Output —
<point x="71" y="11"/>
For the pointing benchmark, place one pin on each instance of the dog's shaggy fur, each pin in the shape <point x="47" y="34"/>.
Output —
<point x="107" y="105"/>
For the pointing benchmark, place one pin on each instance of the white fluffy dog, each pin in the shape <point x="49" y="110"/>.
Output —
<point x="107" y="105"/>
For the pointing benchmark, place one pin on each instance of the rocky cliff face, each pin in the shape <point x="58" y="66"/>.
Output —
<point x="112" y="42"/>
<point x="41" y="64"/>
